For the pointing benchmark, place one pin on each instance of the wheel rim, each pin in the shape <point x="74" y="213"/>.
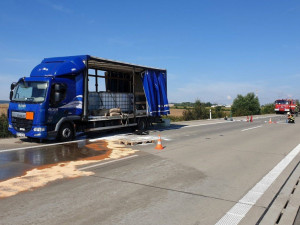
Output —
<point x="66" y="133"/>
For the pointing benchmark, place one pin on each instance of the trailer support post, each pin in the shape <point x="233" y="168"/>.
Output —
<point x="133" y="87"/>
<point x="86" y="91"/>
<point x="96" y="79"/>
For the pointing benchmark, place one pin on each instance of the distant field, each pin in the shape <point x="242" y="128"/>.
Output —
<point x="176" y="112"/>
<point x="3" y="108"/>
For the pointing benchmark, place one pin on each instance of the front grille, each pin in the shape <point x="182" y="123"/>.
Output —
<point x="21" y="124"/>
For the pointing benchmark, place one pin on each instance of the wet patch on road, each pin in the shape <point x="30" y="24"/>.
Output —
<point x="28" y="169"/>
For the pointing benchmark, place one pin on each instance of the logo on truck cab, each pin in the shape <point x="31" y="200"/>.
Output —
<point x="21" y="106"/>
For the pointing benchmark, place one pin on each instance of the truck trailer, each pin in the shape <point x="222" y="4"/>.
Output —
<point x="65" y="95"/>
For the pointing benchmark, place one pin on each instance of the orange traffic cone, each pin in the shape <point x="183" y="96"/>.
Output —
<point x="270" y="121"/>
<point x="159" y="145"/>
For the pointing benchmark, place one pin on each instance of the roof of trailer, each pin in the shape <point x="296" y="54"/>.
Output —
<point x="111" y="65"/>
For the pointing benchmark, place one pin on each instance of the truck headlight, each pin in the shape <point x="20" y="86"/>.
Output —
<point x="39" y="129"/>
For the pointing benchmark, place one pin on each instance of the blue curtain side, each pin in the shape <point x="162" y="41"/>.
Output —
<point x="156" y="94"/>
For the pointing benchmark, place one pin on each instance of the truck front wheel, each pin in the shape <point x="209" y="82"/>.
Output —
<point x="66" y="132"/>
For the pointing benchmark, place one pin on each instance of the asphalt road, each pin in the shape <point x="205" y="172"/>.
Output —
<point x="202" y="176"/>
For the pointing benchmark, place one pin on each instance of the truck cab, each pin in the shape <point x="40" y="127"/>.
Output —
<point x="285" y="106"/>
<point x="38" y="104"/>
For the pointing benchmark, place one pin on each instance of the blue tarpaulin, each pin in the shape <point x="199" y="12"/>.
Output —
<point x="156" y="92"/>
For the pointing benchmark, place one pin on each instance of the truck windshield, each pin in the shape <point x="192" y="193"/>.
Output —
<point x="281" y="102"/>
<point x="30" y="91"/>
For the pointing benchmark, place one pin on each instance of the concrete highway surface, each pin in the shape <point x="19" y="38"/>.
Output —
<point x="209" y="172"/>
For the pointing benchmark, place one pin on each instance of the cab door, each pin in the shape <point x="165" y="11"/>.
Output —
<point x="58" y="96"/>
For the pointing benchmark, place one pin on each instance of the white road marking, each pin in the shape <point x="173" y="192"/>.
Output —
<point x="263" y="117"/>
<point x="41" y="146"/>
<point x="197" y="125"/>
<point x="282" y="122"/>
<point x="240" y="209"/>
<point x="100" y="164"/>
<point x="251" y="128"/>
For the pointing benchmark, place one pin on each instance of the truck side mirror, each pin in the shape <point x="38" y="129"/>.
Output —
<point x="57" y="97"/>
<point x="57" y="94"/>
<point x="11" y="95"/>
<point x="59" y="88"/>
<point x="13" y="85"/>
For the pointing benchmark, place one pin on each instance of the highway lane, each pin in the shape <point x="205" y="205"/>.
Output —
<point x="204" y="170"/>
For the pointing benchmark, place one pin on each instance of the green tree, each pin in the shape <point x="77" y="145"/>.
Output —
<point x="208" y="104"/>
<point x="199" y="111"/>
<point x="268" y="108"/>
<point x="245" y="105"/>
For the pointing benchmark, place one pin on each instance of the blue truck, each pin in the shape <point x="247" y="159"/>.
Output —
<point x="66" y="95"/>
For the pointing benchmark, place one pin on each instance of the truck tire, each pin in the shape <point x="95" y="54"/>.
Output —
<point x="66" y="132"/>
<point x="142" y="124"/>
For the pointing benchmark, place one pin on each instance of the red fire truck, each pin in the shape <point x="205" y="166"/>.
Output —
<point x="285" y="105"/>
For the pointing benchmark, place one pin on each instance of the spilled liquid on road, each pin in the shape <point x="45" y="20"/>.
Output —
<point x="32" y="168"/>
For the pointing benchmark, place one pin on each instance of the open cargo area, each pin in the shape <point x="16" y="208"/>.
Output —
<point x="123" y="94"/>
<point x="116" y="88"/>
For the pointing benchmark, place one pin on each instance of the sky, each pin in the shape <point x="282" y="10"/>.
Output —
<point x="213" y="50"/>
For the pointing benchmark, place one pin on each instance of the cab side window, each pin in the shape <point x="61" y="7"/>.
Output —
<point x="58" y="94"/>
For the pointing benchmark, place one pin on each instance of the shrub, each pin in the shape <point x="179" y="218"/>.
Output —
<point x="268" y="108"/>
<point x="187" y="114"/>
<point x="4" y="127"/>
<point x="198" y="112"/>
<point x="218" y="113"/>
